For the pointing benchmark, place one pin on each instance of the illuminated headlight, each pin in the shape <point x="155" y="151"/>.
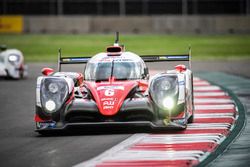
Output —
<point x="50" y="105"/>
<point x="53" y="87"/>
<point x="164" y="91"/>
<point x="54" y="92"/>
<point x="168" y="103"/>
<point x="13" y="58"/>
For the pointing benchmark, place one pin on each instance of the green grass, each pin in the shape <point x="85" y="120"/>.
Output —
<point x="204" y="47"/>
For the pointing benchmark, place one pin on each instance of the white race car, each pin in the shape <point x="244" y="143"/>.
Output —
<point x="12" y="63"/>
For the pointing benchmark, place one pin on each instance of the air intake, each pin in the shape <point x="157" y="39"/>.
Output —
<point x="114" y="50"/>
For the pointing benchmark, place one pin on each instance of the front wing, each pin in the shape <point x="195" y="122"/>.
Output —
<point x="134" y="124"/>
<point x="132" y="114"/>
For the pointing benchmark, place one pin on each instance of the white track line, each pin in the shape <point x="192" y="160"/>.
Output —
<point x="210" y="94"/>
<point x="214" y="107"/>
<point x="206" y="88"/>
<point x="213" y="100"/>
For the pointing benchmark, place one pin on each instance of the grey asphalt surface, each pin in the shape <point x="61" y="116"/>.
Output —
<point x="21" y="146"/>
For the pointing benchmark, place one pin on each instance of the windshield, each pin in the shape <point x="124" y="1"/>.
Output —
<point x="101" y="71"/>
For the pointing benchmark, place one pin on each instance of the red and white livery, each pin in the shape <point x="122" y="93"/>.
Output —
<point x="115" y="89"/>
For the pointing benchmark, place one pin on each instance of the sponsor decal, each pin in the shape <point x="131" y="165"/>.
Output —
<point x="118" y="59"/>
<point x="108" y="107"/>
<point x="181" y="83"/>
<point x="110" y="87"/>
<point x="177" y="57"/>
<point x="163" y="58"/>
<point x="106" y="59"/>
<point x="109" y="98"/>
<point x="109" y="92"/>
<point x="79" y="59"/>
<point x="108" y="103"/>
<point x="66" y="60"/>
<point x="44" y="125"/>
<point x="121" y="59"/>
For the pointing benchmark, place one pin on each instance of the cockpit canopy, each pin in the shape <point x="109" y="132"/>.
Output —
<point x="128" y="66"/>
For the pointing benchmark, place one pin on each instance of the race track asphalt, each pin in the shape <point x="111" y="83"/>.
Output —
<point x="21" y="146"/>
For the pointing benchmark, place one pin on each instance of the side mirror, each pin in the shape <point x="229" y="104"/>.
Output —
<point x="47" y="71"/>
<point x="180" y="68"/>
<point x="3" y="47"/>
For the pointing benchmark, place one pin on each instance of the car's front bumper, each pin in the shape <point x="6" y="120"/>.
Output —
<point x="13" y="71"/>
<point x="3" y="72"/>
<point x="160" y="125"/>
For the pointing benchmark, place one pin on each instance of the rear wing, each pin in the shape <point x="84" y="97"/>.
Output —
<point x="70" y="60"/>
<point x="146" y="58"/>
<point x="159" y="58"/>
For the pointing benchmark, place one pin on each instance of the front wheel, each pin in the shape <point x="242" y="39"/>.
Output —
<point x="191" y="119"/>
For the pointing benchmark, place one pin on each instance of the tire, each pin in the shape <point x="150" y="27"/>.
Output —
<point x="21" y="76"/>
<point x="191" y="119"/>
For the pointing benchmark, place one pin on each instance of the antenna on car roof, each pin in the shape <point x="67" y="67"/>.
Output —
<point x="116" y="39"/>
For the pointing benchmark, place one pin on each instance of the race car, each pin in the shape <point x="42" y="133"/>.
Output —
<point x="115" y="90"/>
<point x="12" y="63"/>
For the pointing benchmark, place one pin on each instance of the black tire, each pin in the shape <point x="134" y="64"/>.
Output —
<point x="21" y="76"/>
<point x="191" y="119"/>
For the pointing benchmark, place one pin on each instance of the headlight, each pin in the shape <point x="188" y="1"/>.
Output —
<point x="164" y="91"/>
<point x="50" y="105"/>
<point x="168" y="103"/>
<point x="53" y="87"/>
<point x="54" y="92"/>
<point x="13" y="58"/>
<point x="165" y="85"/>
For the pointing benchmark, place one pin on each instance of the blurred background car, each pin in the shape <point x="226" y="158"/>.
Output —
<point x="12" y="63"/>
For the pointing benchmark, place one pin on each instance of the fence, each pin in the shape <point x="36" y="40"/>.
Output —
<point x="125" y="7"/>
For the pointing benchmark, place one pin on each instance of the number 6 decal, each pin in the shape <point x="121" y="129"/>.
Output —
<point x="109" y="92"/>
